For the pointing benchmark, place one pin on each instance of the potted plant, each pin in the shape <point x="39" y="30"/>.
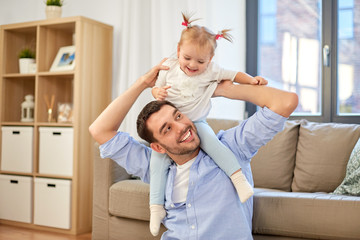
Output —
<point x="26" y="59"/>
<point x="53" y="8"/>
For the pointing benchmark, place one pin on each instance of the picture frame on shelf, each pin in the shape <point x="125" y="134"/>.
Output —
<point x="64" y="60"/>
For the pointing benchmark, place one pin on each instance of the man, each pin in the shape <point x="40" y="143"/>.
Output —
<point x="201" y="202"/>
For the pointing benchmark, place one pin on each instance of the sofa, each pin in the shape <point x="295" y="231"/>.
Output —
<point x="294" y="176"/>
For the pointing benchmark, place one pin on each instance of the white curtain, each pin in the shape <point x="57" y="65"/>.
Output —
<point x="150" y="30"/>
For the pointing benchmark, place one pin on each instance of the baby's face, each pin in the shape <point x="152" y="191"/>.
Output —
<point x="193" y="60"/>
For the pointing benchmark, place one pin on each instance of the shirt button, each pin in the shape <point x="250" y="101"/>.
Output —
<point x="192" y="226"/>
<point x="189" y="205"/>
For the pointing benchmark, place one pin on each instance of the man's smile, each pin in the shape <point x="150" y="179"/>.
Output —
<point x="187" y="137"/>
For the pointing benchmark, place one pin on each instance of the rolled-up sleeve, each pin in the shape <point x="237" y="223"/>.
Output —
<point x="253" y="132"/>
<point x="128" y="153"/>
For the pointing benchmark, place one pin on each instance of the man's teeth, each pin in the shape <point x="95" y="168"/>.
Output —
<point x="186" y="137"/>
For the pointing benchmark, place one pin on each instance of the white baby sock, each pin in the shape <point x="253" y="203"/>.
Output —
<point x="157" y="214"/>
<point x="242" y="186"/>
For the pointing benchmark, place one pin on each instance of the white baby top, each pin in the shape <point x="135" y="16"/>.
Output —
<point x="191" y="95"/>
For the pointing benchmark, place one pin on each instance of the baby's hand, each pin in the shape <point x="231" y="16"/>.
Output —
<point x="259" y="81"/>
<point x="162" y="93"/>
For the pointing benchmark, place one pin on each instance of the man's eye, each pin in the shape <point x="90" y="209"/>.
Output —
<point x="167" y="129"/>
<point x="178" y="116"/>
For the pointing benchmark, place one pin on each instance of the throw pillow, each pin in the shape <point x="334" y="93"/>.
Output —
<point x="351" y="183"/>
<point x="323" y="152"/>
<point x="274" y="163"/>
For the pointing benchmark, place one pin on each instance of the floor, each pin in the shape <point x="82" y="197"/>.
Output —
<point x="17" y="233"/>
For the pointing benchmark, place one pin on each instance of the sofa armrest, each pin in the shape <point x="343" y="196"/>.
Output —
<point x="106" y="173"/>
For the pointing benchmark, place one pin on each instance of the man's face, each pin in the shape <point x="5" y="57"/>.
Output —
<point x="176" y="134"/>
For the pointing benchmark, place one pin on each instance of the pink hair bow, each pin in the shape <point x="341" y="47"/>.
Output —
<point x="219" y="36"/>
<point x="185" y="24"/>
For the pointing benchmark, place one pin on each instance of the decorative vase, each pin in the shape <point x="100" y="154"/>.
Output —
<point x="25" y="64"/>
<point x="53" y="12"/>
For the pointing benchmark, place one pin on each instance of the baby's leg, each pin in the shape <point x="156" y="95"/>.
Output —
<point x="159" y="166"/>
<point x="225" y="159"/>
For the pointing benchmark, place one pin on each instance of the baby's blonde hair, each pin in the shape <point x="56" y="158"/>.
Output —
<point x="200" y="35"/>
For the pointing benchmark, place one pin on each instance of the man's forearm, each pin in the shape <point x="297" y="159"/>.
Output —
<point x="279" y="101"/>
<point x="109" y="121"/>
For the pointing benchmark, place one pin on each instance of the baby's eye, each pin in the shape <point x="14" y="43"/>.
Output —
<point x="201" y="62"/>
<point x="187" y="58"/>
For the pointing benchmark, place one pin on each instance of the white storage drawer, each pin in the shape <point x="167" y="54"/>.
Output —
<point x="52" y="206"/>
<point x="56" y="151"/>
<point x="16" y="198"/>
<point x="17" y="149"/>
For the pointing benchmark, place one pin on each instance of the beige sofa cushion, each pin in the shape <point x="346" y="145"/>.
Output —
<point x="273" y="165"/>
<point x="130" y="199"/>
<point x="322" y="155"/>
<point x="221" y="124"/>
<point x="306" y="215"/>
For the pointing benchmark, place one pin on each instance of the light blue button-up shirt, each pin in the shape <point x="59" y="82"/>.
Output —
<point x="212" y="209"/>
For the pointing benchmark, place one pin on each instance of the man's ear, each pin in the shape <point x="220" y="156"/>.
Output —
<point x="157" y="148"/>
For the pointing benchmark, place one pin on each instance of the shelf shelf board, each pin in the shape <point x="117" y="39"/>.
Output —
<point x="32" y="75"/>
<point x="40" y="124"/>
<point x="17" y="123"/>
<point x="53" y="124"/>
<point x="36" y="175"/>
<point x="52" y="176"/>
<point x="19" y="75"/>
<point x="16" y="173"/>
<point x="60" y="73"/>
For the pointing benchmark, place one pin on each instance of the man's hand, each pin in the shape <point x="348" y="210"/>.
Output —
<point x="150" y="77"/>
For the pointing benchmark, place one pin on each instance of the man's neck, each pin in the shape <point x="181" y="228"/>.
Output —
<point x="182" y="159"/>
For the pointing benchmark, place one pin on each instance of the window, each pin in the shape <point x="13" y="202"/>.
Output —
<point x="268" y="22"/>
<point x="348" y="65"/>
<point x="312" y="54"/>
<point x="346" y="19"/>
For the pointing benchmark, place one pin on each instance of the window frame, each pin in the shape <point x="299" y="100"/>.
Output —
<point x="329" y="73"/>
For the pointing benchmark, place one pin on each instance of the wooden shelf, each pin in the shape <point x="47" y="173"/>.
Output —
<point x="63" y="73"/>
<point x="18" y="75"/>
<point x="17" y="124"/>
<point x="87" y="89"/>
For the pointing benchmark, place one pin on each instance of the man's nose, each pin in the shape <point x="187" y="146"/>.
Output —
<point x="180" y="127"/>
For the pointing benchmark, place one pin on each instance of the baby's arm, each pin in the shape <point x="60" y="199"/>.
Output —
<point x="159" y="93"/>
<point x="244" y="78"/>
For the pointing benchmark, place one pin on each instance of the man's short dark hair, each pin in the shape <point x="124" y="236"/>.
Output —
<point x="144" y="115"/>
